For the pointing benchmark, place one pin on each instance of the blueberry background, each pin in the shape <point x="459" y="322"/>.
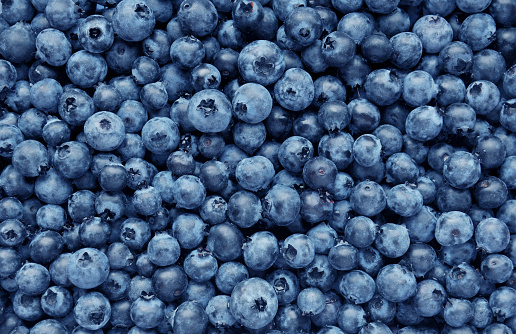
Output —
<point x="257" y="167"/>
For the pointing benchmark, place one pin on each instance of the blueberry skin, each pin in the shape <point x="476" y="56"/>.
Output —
<point x="488" y="65"/>
<point x="507" y="118"/>
<point x="75" y="106"/>
<point x="298" y="250"/>
<point x="32" y="279"/>
<point x="337" y="48"/>
<point x="303" y="25"/>
<point x="492" y="235"/>
<point x="47" y="325"/>
<point x="29" y="157"/>
<point x="368" y="198"/>
<point x="254" y="173"/>
<point x="456" y="58"/>
<point x="462" y="170"/>
<point x="160" y="135"/>
<point x="430" y="117"/>
<point x="18" y="43"/>
<point x="396" y="283"/>
<point x="96" y="34"/>
<point x="198" y="18"/>
<point x="483" y="96"/>
<point x="294" y="152"/>
<point x="351" y="318"/>
<point x="147" y="312"/>
<point x="252" y="103"/>
<point x="57" y="301"/>
<point x="383" y="87"/>
<point x="261" y="250"/>
<point x="496" y="268"/>
<point x="281" y="204"/>
<point x="229" y="275"/>
<point x="87" y="268"/>
<point x="478" y="31"/>
<point x="92" y="311"/>
<point x="382" y="6"/>
<point x="453" y="228"/>
<point x="218" y="311"/>
<point x="163" y="250"/>
<point x="133" y="20"/>
<point x="419" y="88"/>
<point x="458" y="312"/>
<point x="209" y="111"/>
<point x="434" y="31"/>
<point x="405" y="200"/>
<point x="104" y="131"/>
<point x="53" y="47"/>
<point x="52" y="188"/>
<point x="357" y="287"/>
<point x="294" y="90"/>
<point x="72" y="159"/>
<point x="86" y="69"/>
<point x="253" y="303"/>
<point x="509" y="81"/>
<point x="429" y="298"/>
<point x="407" y="50"/>
<point x="358" y="25"/>
<point x="501" y="303"/>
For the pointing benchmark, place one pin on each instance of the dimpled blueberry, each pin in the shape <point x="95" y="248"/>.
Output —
<point x="253" y="303"/>
<point x="252" y="103"/>
<point x="396" y="283"/>
<point x="87" y="268"/>
<point x="294" y="90"/>
<point x="92" y="311"/>
<point x="209" y="111"/>
<point x="261" y="62"/>
<point x="453" y="228"/>
<point x="462" y="170"/>
<point x="383" y="87"/>
<point x="133" y="20"/>
<point x="104" y="131"/>
<point x="434" y="31"/>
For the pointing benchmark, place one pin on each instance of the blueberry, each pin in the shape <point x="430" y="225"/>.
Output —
<point x="298" y="250"/>
<point x="209" y="110"/>
<point x="92" y="311"/>
<point x="147" y="311"/>
<point x="253" y="303"/>
<point x="456" y="57"/>
<point x="351" y="318"/>
<point x="218" y="311"/>
<point x="86" y="69"/>
<point x="463" y="281"/>
<point x="53" y="47"/>
<point x="337" y="48"/>
<point x="462" y="170"/>
<point x="294" y="90"/>
<point x="399" y="274"/>
<point x="358" y="25"/>
<point x="368" y="198"/>
<point x="383" y="87"/>
<point x="434" y="31"/>
<point x="198" y="18"/>
<point x="133" y="20"/>
<point x="405" y="200"/>
<point x="407" y="49"/>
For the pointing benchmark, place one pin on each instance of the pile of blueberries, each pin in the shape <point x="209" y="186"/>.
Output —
<point x="258" y="166"/>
